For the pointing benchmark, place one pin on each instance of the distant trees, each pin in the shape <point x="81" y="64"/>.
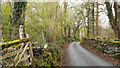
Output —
<point x="91" y="25"/>
<point x="92" y="16"/>
<point x="51" y="22"/>
<point x="6" y="25"/>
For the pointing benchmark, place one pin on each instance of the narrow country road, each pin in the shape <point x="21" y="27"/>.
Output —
<point x="79" y="56"/>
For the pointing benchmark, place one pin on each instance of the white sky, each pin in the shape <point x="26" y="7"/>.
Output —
<point x="54" y="0"/>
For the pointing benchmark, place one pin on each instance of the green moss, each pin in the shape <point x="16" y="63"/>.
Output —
<point x="12" y="42"/>
<point x="116" y="39"/>
<point x="98" y="38"/>
<point x="117" y="57"/>
<point x="119" y="64"/>
<point x="114" y="43"/>
<point x="46" y="59"/>
<point x="99" y="43"/>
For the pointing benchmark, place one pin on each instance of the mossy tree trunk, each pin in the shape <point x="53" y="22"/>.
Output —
<point x="69" y="31"/>
<point x="18" y="18"/>
<point x="114" y="21"/>
<point x="93" y="20"/>
<point x="0" y="16"/>
<point x="97" y="18"/>
<point x="65" y="16"/>
<point x="88" y="22"/>
<point x="111" y="18"/>
<point x="117" y="16"/>
<point x="56" y="21"/>
<point x="119" y="21"/>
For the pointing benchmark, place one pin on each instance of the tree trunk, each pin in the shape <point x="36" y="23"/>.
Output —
<point x="118" y="22"/>
<point x="65" y="15"/>
<point x="18" y="18"/>
<point x="78" y="32"/>
<point x="0" y="14"/>
<point x="117" y="16"/>
<point x="0" y="20"/>
<point x="15" y="32"/>
<point x="69" y="31"/>
<point x="111" y="18"/>
<point x="88" y="22"/>
<point x="56" y="22"/>
<point x="93" y="31"/>
<point x="97" y="18"/>
<point x="23" y="19"/>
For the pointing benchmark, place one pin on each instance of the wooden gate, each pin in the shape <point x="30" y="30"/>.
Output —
<point x="14" y="54"/>
<point x="18" y="52"/>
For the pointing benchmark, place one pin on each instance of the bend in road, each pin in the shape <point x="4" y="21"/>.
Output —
<point x="81" y="57"/>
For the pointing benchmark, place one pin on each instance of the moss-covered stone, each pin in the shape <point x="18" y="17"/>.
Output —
<point x="103" y="45"/>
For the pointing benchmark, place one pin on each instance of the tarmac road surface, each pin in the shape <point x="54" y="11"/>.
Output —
<point x="79" y="56"/>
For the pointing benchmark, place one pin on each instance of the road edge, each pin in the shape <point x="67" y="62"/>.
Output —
<point x="64" y="59"/>
<point x="104" y="56"/>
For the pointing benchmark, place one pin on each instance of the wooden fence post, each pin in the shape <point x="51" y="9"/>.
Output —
<point x="22" y="54"/>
